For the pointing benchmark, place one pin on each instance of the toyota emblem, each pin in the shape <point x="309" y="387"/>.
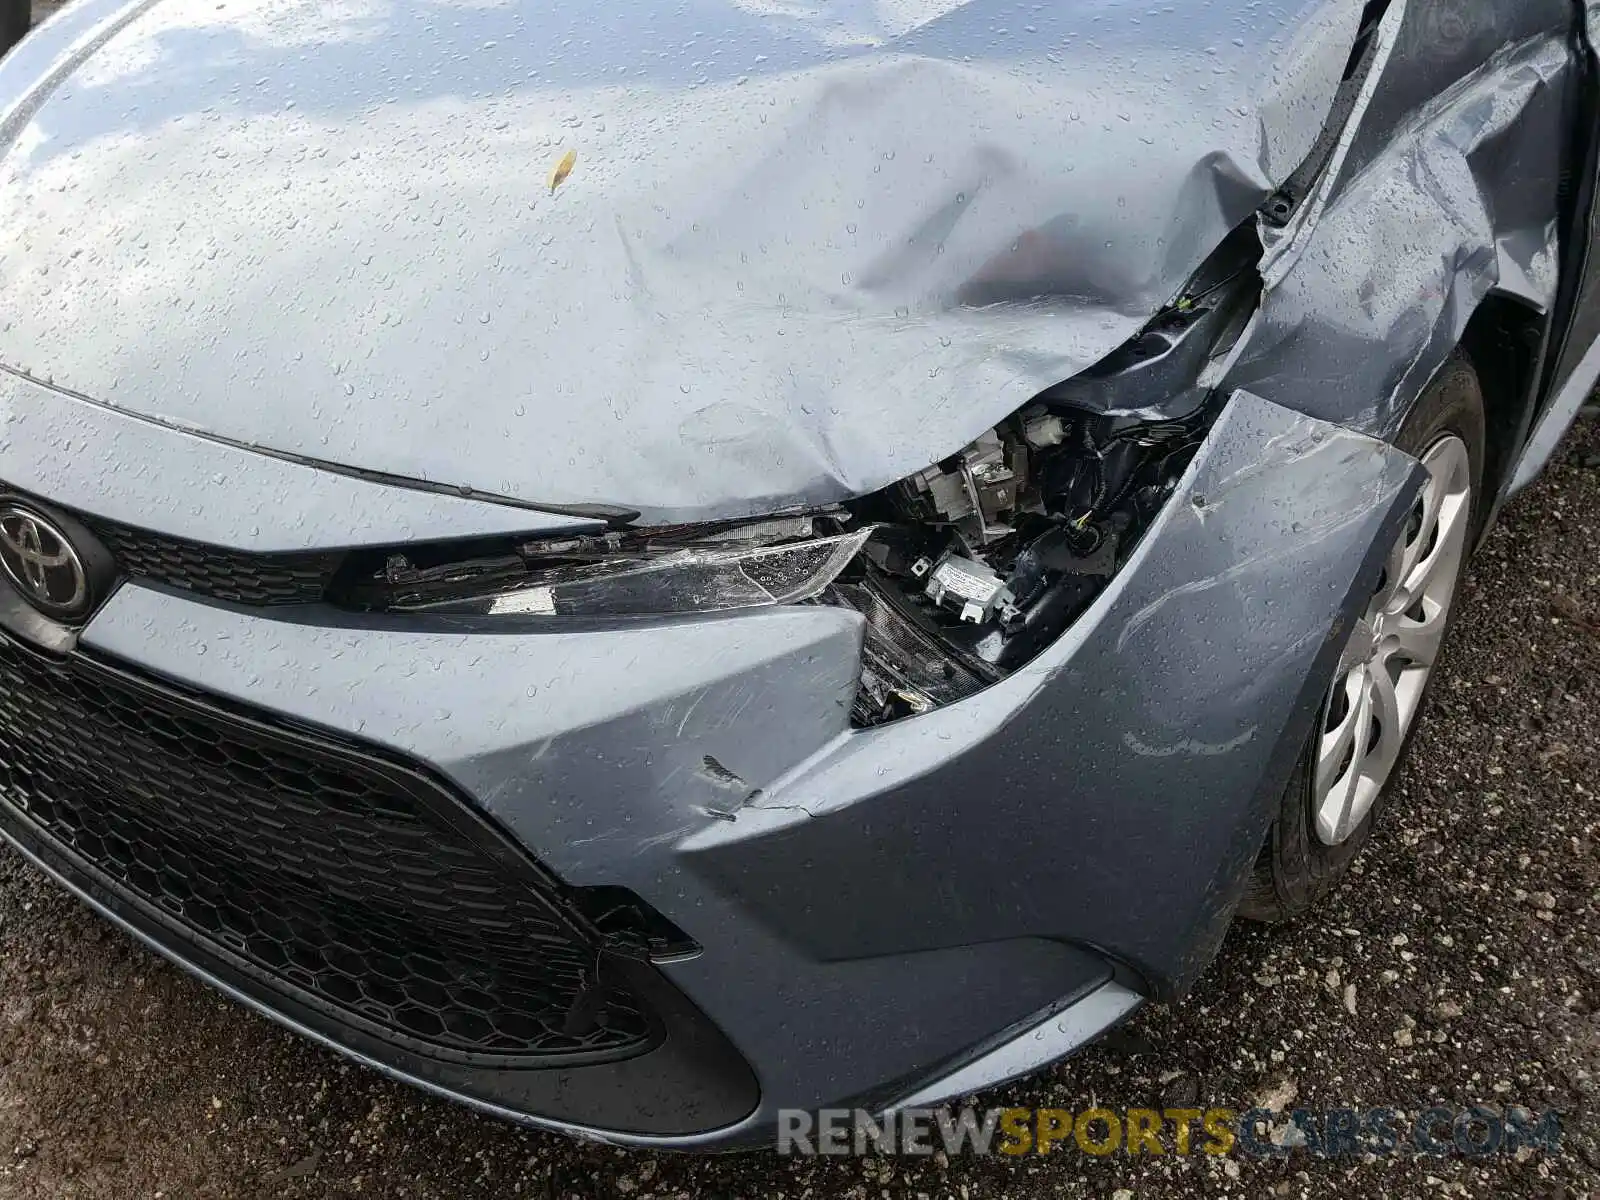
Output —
<point x="42" y="563"/>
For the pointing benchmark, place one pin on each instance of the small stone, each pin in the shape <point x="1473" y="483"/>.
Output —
<point x="1288" y="1135"/>
<point x="1181" y="1092"/>
<point x="1544" y="900"/>
<point x="1278" y="1095"/>
<point x="1350" y="998"/>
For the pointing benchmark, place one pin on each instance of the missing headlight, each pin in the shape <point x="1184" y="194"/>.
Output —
<point x="966" y="579"/>
<point x="981" y="561"/>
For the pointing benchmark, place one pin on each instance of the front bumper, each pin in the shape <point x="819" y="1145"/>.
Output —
<point x="886" y="913"/>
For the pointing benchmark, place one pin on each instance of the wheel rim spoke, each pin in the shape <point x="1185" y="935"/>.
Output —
<point x="1431" y="502"/>
<point x="1394" y="573"/>
<point x="1422" y="578"/>
<point x="1346" y="747"/>
<point x="1417" y="642"/>
<point x="1339" y="743"/>
<point x="1383" y="751"/>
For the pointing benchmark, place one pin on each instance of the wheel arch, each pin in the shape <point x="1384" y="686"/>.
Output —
<point x="1506" y="341"/>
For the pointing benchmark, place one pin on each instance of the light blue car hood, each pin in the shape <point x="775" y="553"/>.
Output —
<point x="804" y="249"/>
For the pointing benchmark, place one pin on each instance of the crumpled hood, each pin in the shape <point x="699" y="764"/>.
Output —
<point x="805" y="249"/>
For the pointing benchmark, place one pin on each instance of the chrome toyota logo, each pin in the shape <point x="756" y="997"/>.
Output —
<point x="42" y="563"/>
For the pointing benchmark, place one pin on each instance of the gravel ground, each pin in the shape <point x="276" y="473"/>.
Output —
<point x="1470" y="935"/>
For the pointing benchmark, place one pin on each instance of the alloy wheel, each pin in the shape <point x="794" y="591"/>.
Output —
<point x="1384" y="670"/>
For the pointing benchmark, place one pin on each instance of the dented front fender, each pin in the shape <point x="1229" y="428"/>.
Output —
<point x="1115" y="791"/>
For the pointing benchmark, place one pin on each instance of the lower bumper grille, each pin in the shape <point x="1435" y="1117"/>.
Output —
<point x="358" y="887"/>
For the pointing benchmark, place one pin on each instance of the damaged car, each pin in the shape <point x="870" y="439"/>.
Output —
<point x="640" y="567"/>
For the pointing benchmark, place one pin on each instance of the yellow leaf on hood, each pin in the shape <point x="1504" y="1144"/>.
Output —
<point x="562" y="169"/>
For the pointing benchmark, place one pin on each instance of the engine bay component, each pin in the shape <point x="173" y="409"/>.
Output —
<point x="988" y="593"/>
<point x="970" y="589"/>
<point x="1042" y="428"/>
<point x="978" y="490"/>
<point x="906" y="668"/>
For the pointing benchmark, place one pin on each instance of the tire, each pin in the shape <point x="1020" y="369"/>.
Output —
<point x="1297" y="867"/>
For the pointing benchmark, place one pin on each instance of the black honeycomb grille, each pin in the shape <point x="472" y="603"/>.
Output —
<point x="349" y="881"/>
<point x="255" y="579"/>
